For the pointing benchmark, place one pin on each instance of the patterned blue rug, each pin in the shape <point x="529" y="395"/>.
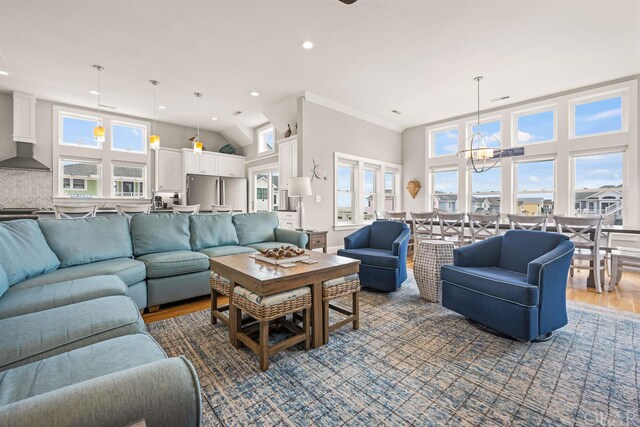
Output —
<point x="416" y="363"/>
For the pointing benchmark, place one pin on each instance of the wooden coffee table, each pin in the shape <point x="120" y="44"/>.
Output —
<point x="266" y="279"/>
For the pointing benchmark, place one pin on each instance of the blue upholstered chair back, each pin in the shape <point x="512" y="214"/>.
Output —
<point x="520" y="247"/>
<point x="384" y="233"/>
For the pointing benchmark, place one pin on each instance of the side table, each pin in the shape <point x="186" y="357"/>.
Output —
<point x="317" y="239"/>
<point x="432" y="254"/>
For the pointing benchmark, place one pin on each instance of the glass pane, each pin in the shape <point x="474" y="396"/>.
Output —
<point x="598" y="117"/>
<point x="536" y="127"/>
<point x="535" y="203"/>
<point x="601" y="177"/>
<point x="485" y="182"/>
<point x="369" y="200"/>
<point x="389" y="182"/>
<point x="261" y="184"/>
<point x="344" y="178"/>
<point x="128" y="138"/>
<point x="128" y="181"/>
<point x="344" y="186"/>
<point x="445" y="142"/>
<point x="266" y="139"/>
<point x="389" y="203"/>
<point x="275" y="191"/>
<point x="489" y="129"/>
<point x="83" y="176"/>
<point x="445" y="189"/>
<point x="79" y="132"/>
<point x="535" y="176"/>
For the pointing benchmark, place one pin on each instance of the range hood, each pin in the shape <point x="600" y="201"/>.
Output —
<point x="24" y="130"/>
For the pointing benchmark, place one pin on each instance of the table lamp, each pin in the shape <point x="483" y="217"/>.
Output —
<point x="300" y="187"/>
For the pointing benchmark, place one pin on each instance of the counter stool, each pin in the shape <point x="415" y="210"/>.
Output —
<point x="269" y="308"/>
<point x="219" y="286"/>
<point x="336" y="288"/>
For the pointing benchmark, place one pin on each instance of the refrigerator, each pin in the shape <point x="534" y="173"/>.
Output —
<point x="215" y="190"/>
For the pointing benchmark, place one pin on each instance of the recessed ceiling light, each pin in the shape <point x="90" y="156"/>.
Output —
<point x="162" y="107"/>
<point x="214" y="118"/>
<point x="254" y="93"/>
<point x="94" y="92"/>
<point x="307" y="44"/>
<point x="3" y="73"/>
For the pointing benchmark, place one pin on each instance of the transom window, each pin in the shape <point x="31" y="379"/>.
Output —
<point x="130" y="138"/>
<point x="445" y="190"/>
<point x="598" y="185"/>
<point x="444" y="142"/>
<point x="78" y="131"/>
<point x="488" y="130"/>
<point x="535" y="127"/>
<point x="535" y="187"/>
<point x="266" y="139"/>
<point x="598" y="117"/>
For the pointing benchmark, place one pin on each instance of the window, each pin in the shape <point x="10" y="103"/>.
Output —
<point x="130" y="138"/>
<point x="128" y="181"/>
<point x="369" y="194"/>
<point x="445" y="190"/>
<point x="535" y="127"/>
<point x="390" y="191"/>
<point x="599" y="186"/>
<point x="264" y="186"/>
<point x="444" y="142"/>
<point x="345" y="194"/>
<point x="535" y="187"/>
<point x="80" y="178"/>
<point x="78" y="131"/>
<point x="488" y="129"/>
<point x="485" y="191"/>
<point x="598" y="117"/>
<point x="266" y="139"/>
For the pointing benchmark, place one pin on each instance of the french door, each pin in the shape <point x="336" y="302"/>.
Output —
<point x="264" y="188"/>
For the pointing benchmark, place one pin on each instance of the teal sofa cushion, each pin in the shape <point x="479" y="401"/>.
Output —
<point x="4" y="281"/>
<point x="84" y="240"/>
<point x="208" y="231"/>
<point x="43" y="334"/>
<point x="165" y="264"/>
<point x="270" y="245"/>
<point x="227" y="250"/>
<point x="78" y="365"/>
<point x="24" y="300"/>
<point x="24" y="252"/>
<point x="160" y="232"/>
<point x="127" y="269"/>
<point x="255" y="227"/>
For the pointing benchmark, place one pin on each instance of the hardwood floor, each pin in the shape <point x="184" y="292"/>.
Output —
<point x="625" y="297"/>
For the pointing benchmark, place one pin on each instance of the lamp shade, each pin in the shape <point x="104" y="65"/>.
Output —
<point x="300" y="186"/>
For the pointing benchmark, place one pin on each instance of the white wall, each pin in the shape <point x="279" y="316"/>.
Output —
<point x="413" y="153"/>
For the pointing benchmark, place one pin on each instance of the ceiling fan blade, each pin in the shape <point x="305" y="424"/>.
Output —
<point x="348" y="1"/>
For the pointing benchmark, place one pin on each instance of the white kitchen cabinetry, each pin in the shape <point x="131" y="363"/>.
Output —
<point x="288" y="220"/>
<point x="288" y="161"/>
<point x="169" y="173"/>
<point x="213" y="164"/>
<point x="237" y="167"/>
<point x="209" y="164"/>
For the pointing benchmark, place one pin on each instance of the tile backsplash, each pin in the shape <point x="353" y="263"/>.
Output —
<point x="25" y="189"/>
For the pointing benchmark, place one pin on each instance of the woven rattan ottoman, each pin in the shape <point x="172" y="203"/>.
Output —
<point x="432" y="254"/>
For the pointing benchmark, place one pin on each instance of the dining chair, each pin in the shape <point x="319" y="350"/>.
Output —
<point x="128" y="210"/>
<point x="74" y="211"/>
<point x="380" y="214"/>
<point x="483" y="226"/>
<point x="527" y="222"/>
<point x="397" y="216"/>
<point x="422" y="228"/>
<point x="217" y="209"/>
<point x="623" y="250"/>
<point x="186" y="209"/>
<point x="452" y="228"/>
<point x="584" y="232"/>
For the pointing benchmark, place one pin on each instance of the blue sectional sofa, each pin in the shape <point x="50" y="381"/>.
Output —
<point x="73" y="345"/>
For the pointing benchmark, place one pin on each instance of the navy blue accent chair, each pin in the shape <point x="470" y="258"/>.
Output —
<point x="382" y="250"/>
<point x="515" y="283"/>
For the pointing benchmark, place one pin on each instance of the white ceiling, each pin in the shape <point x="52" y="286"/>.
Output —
<point x="419" y="57"/>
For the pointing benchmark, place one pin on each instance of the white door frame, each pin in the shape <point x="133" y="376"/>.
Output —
<point x="252" y="190"/>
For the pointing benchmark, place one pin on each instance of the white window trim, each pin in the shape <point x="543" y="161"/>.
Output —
<point x="600" y="96"/>
<point x="432" y="187"/>
<point x="359" y="162"/>
<point x="531" y="111"/>
<point x="76" y="115"/>
<point x="268" y="169"/>
<point x="259" y="130"/>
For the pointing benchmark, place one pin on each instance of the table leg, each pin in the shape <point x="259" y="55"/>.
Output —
<point x="235" y="319"/>
<point x="316" y="314"/>
<point x="614" y="272"/>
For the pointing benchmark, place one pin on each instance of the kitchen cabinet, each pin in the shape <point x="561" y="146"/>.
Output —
<point x="288" y="219"/>
<point x="231" y="166"/>
<point x="169" y="174"/>
<point x="209" y="164"/>
<point x="200" y="164"/>
<point x="288" y="161"/>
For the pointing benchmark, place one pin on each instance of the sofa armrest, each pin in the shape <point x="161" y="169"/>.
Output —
<point x="358" y="239"/>
<point x="552" y="266"/>
<point x="298" y="238"/>
<point x="402" y="242"/>
<point x="485" y="253"/>
<point x="166" y="392"/>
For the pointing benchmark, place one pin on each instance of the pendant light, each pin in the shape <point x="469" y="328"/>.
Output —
<point x="154" y="139"/>
<point x="98" y="131"/>
<point x="197" y="144"/>
<point x="481" y="152"/>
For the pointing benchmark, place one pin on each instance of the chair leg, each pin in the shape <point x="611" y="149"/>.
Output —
<point x="325" y="321"/>
<point x="264" y="346"/>
<point x="307" y="328"/>
<point x="614" y="273"/>
<point x="356" y="310"/>
<point x="596" y="274"/>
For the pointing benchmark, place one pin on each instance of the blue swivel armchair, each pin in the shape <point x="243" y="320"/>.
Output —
<point x="514" y="284"/>
<point x="382" y="250"/>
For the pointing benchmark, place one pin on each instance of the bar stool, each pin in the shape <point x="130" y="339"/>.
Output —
<point x="80" y="211"/>
<point x="527" y="222"/>
<point x="186" y="209"/>
<point x="336" y="288"/>
<point x="269" y="308"/>
<point x="483" y="226"/>
<point x="452" y="228"/>
<point x="397" y="216"/>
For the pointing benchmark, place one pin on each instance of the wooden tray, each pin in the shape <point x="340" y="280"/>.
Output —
<point x="285" y="260"/>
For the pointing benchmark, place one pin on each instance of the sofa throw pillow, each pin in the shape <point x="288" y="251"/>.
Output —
<point x="160" y="232"/>
<point x="256" y="227"/>
<point x="84" y="240"/>
<point x="210" y="231"/>
<point x="24" y="252"/>
<point x="4" y="281"/>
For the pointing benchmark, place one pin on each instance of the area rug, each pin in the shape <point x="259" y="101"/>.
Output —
<point x="415" y="363"/>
